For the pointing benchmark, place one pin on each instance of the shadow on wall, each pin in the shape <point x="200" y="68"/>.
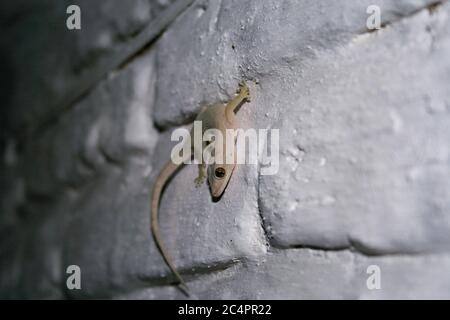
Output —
<point x="6" y="92"/>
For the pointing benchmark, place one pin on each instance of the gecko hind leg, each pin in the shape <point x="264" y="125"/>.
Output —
<point x="243" y="91"/>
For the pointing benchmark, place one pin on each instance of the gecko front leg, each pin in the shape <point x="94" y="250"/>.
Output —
<point x="201" y="175"/>
<point x="201" y="167"/>
<point x="233" y="106"/>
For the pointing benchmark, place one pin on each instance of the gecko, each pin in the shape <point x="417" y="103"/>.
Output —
<point x="220" y="117"/>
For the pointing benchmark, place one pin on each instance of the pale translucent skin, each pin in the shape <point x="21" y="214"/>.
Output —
<point x="220" y="117"/>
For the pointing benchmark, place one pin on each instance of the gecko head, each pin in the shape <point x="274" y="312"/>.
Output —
<point x="218" y="177"/>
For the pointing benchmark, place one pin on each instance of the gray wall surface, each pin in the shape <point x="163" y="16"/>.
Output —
<point x="364" y="176"/>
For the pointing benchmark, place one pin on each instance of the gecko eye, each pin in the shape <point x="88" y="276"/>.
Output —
<point x="219" y="173"/>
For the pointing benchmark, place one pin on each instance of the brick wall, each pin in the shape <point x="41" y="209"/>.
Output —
<point x="364" y="149"/>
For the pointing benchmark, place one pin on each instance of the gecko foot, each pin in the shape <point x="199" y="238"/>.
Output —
<point x="199" y="181"/>
<point x="244" y="91"/>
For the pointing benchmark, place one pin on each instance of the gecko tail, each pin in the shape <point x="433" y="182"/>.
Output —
<point x="163" y="177"/>
<point x="184" y="288"/>
<point x="181" y="284"/>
